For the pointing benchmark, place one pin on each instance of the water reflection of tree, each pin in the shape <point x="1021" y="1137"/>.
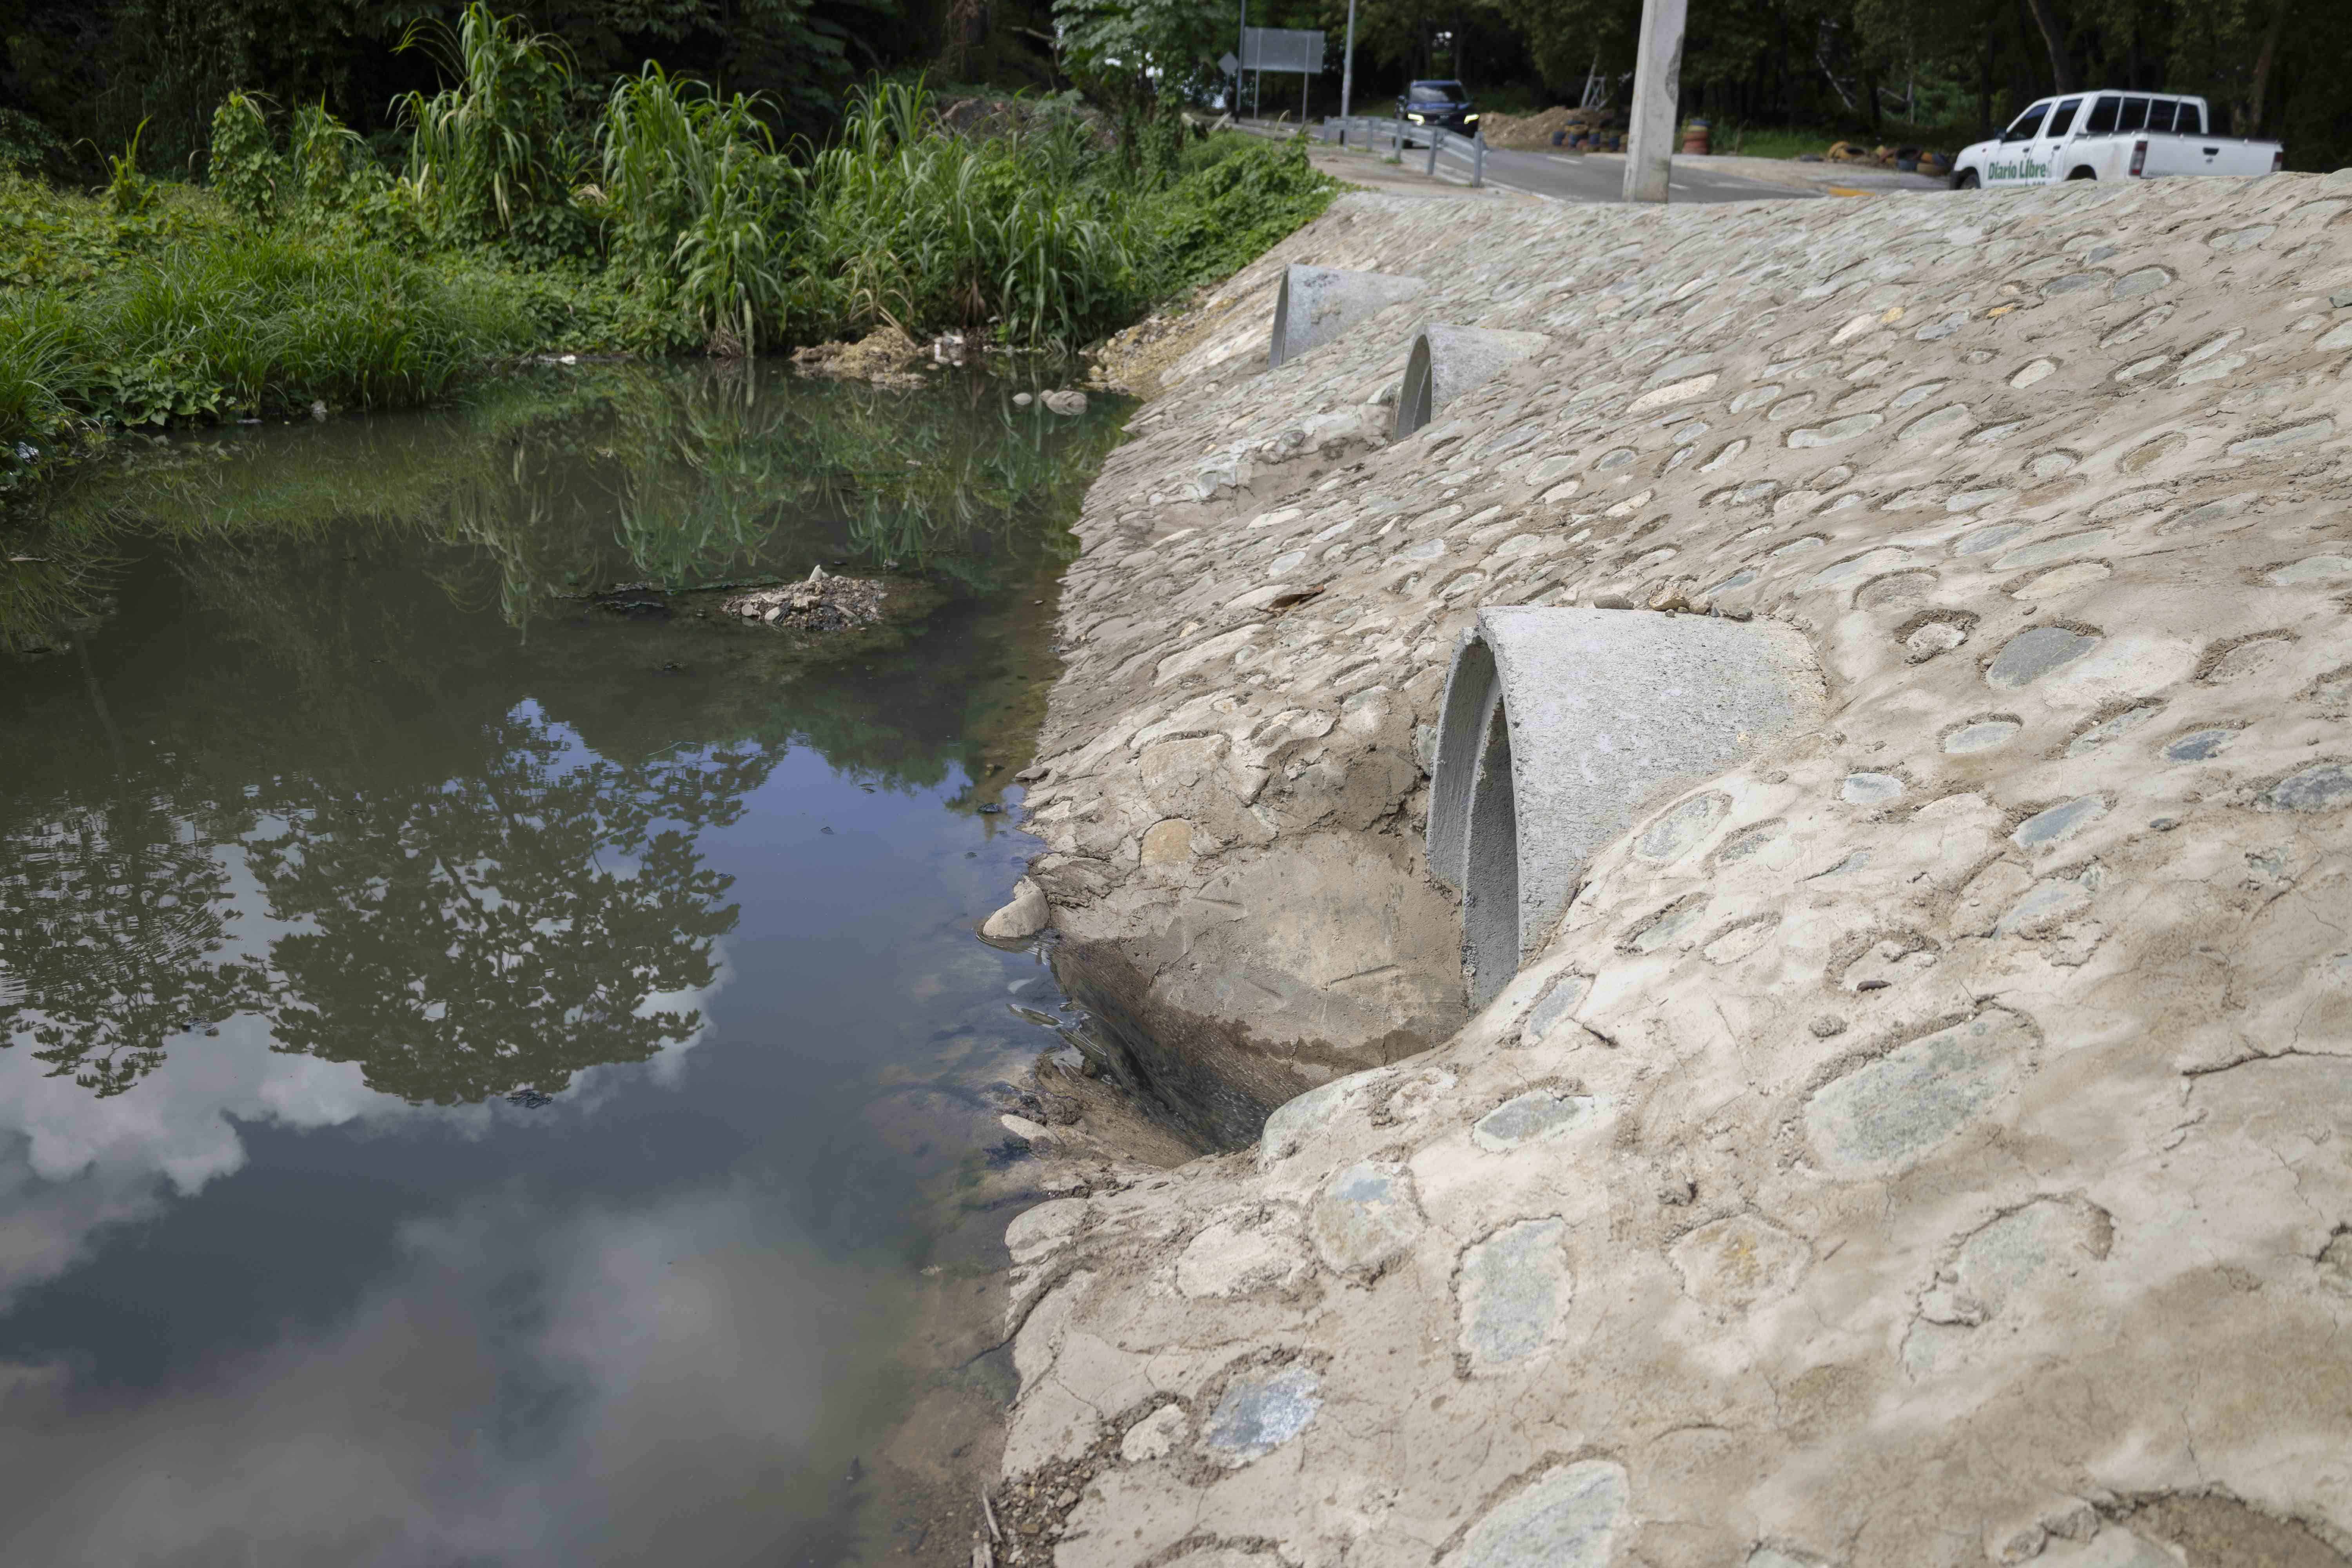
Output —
<point x="503" y="930"/>
<point x="498" y="930"/>
<point x="478" y="903"/>
<point x="111" y="912"/>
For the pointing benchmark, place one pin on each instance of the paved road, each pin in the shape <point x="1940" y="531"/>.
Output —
<point x="1591" y="177"/>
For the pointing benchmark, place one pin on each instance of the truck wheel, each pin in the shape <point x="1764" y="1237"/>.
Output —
<point x="1965" y="179"/>
<point x="2084" y="174"/>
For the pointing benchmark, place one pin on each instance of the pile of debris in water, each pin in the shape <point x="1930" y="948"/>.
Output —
<point x="821" y="602"/>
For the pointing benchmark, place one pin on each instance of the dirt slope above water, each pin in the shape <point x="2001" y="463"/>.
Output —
<point x="1928" y="1143"/>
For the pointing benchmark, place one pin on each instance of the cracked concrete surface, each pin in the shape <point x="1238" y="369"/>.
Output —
<point x="1929" y="1141"/>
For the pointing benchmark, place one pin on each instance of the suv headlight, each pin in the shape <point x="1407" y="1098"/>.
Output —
<point x="1469" y="119"/>
<point x="1415" y="118"/>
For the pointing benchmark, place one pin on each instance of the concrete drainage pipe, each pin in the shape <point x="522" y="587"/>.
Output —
<point x="1315" y="304"/>
<point x="1448" y="362"/>
<point x="1559" y="725"/>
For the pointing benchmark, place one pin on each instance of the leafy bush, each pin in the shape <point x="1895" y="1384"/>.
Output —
<point x="1226" y="214"/>
<point x="244" y="167"/>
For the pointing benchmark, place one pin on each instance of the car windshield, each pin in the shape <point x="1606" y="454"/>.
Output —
<point x="1436" y="92"/>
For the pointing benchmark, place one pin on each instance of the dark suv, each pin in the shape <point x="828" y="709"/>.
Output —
<point x="1443" y="103"/>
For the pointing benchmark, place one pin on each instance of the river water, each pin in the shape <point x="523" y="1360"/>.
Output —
<point x="497" y="1076"/>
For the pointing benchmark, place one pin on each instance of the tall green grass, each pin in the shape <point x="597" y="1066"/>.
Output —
<point x="236" y="324"/>
<point x="1029" y="234"/>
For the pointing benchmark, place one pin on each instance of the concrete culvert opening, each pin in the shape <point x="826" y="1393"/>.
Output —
<point x="1447" y="361"/>
<point x="1560" y="727"/>
<point x="1315" y="304"/>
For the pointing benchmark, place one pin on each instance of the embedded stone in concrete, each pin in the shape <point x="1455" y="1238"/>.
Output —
<point x="1986" y="539"/>
<point x="2255" y="656"/>
<point x="1980" y="736"/>
<point x="2313" y="569"/>
<point x="1739" y="1260"/>
<point x="1943" y="422"/>
<point x="1557" y="1006"/>
<point x="1836" y="431"/>
<point x="1166" y="843"/>
<point x="1679" y="831"/>
<point x="1556" y="724"/>
<point x="1899" y="1106"/>
<point x="2045" y="904"/>
<point x="1531" y="1118"/>
<point x="1287" y="1128"/>
<point x="2044" y="552"/>
<point x="1368" y="1217"/>
<point x="2061" y="580"/>
<point x="1668" y="396"/>
<point x="2300" y="435"/>
<point x="1314" y="305"/>
<point x="2123" y="724"/>
<point x="1870" y="789"/>
<point x="2144" y="281"/>
<point x="1569" y="1517"/>
<point x="2322" y="787"/>
<point x="1978" y="499"/>
<point x="2046" y="1241"/>
<point x="1665" y="926"/>
<point x="1514" y="1288"/>
<point x="1156" y="1435"/>
<point x="1260" y="1412"/>
<point x="2045" y="827"/>
<point x="1242" y="1254"/>
<point x="1867" y="564"/>
<point x="2034" y="653"/>
<point x="2199" y="745"/>
<point x="1448" y="361"/>
<point x="1934" y="637"/>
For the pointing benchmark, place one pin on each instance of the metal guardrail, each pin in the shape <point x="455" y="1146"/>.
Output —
<point x="1364" y="131"/>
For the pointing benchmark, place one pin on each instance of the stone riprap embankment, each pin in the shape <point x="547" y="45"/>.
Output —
<point x="1927" y="1141"/>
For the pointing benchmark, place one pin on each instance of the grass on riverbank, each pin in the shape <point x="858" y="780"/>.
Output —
<point x="189" y="311"/>
<point x="308" y="274"/>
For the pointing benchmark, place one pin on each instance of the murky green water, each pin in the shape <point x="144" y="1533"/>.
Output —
<point x="494" y="1076"/>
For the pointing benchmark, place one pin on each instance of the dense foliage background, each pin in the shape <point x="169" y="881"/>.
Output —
<point x="79" y="77"/>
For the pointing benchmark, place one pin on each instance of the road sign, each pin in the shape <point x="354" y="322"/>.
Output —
<point x="1282" y="49"/>
<point x="1227" y="64"/>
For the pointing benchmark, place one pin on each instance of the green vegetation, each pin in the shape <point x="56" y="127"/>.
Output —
<point x="518" y="217"/>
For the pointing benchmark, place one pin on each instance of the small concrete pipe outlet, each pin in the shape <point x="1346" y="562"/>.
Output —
<point x="1315" y="304"/>
<point x="1559" y="726"/>
<point x="1448" y="362"/>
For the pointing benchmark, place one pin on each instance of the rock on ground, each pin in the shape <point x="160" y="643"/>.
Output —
<point x="1963" y="1172"/>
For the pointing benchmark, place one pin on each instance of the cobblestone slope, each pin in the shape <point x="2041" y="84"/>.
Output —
<point x="1930" y="1142"/>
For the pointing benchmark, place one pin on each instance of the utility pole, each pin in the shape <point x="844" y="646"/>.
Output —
<point x="1241" y="61"/>
<point x="1657" y="94"/>
<point x="1347" y="70"/>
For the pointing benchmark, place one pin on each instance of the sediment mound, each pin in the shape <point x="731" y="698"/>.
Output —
<point x="1926" y="1141"/>
<point x="1533" y="133"/>
<point x="821" y="602"/>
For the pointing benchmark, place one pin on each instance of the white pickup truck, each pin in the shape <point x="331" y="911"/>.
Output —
<point x="2111" y="136"/>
